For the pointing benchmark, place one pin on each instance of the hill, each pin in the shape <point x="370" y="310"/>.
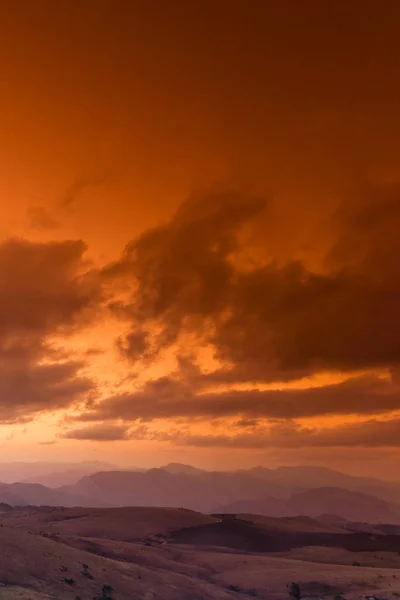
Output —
<point x="173" y="554"/>
<point x="32" y="566"/>
<point x="127" y="524"/>
<point x="289" y="524"/>
<point x="266" y="505"/>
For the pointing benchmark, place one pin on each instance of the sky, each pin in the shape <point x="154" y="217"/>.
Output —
<point x="199" y="217"/>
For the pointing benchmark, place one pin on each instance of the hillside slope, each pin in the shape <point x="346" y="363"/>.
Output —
<point x="42" y="569"/>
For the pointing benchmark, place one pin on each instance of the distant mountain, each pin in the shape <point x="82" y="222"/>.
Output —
<point x="34" y="472"/>
<point x="158" y="487"/>
<point x="273" y="493"/>
<point x="229" y="492"/>
<point x="181" y="468"/>
<point x="23" y="494"/>
<point x="60" y="478"/>
<point x="344" y="503"/>
<point x="297" y="479"/>
<point x="256" y="482"/>
<point x="70" y="476"/>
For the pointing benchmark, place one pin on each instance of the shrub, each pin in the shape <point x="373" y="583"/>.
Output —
<point x="107" y="589"/>
<point x="85" y="572"/>
<point x="106" y="593"/>
<point x="234" y="588"/>
<point x="295" y="591"/>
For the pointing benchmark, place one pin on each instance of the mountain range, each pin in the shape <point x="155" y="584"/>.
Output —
<point x="282" y="492"/>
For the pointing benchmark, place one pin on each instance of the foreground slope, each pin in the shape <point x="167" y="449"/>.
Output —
<point x="33" y="566"/>
<point x="162" y="554"/>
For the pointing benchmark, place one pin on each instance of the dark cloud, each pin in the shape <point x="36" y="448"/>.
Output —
<point x="284" y="434"/>
<point x="183" y="278"/>
<point x="168" y="398"/>
<point x="135" y="345"/>
<point x="99" y="432"/>
<point x="266" y="321"/>
<point x="370" y="434"/>
<point x="28" y="388"/>
<point x="45" y="289"/>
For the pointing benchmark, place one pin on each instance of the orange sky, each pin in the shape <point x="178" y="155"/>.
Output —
<point x="112" y="115"/>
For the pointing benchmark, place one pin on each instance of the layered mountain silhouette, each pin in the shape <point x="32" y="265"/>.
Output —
<point x="282" y="492"/>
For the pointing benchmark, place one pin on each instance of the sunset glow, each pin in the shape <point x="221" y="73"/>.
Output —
<point x="199" y="241"/>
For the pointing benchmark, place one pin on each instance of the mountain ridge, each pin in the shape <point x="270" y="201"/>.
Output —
<point x="284" y="492"/>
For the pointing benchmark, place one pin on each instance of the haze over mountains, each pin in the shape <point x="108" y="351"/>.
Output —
<point x="281" y="492"/>
<point x="50" y="473"/>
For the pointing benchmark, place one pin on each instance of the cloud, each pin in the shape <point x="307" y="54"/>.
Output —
<point x="82" y="183"/>
<point x="285" y="434"/>
<point x="28" y="388"/>
<point x="102" y="432"/>
<point x="265" y="321"/>
<point x="45" y="289"/>
<point x="168" y="398"/>
<point x="370" y="434"/>
<point x="181" y="272"/>
<point x="192" y="279"/>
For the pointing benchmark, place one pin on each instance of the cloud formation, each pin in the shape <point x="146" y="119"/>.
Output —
<point x="285" y="434"/>
<point x="101" y="432"/>
<point x="167" y="398"/>
<point x="192" y="279"/>
<point x="264" y="320"/>
<point x="370" y="434"/>
<point x="45" y="289"/>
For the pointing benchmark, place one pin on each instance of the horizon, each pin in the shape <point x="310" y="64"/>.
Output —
<point x="91" y="468"/>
